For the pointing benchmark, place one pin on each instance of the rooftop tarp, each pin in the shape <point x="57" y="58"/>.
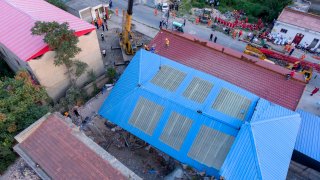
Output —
<point x="201" y="120"/>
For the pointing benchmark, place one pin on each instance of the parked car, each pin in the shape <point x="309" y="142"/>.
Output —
<point x="165" y="7"/>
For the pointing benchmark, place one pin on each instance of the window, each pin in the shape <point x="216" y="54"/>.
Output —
<point x="211" y="147"/>
<point x="176" y="130"/>
<point x="232" y="104"/>
<point x="198" y="90"/>
<point x="146" y="115"/>
<point x="168" y="78"/>
<point x="284" y="31"/>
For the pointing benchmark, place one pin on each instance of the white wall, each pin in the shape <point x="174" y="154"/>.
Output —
<point x="309" y="35"/>
<point x="13" y="61"/>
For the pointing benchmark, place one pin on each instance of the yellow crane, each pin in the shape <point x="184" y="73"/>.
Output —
<point x="126" y="37"/>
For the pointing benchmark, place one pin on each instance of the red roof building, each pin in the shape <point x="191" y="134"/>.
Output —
<point x="259" y="77"/>
<point x="56" y="149"/>
<point x="17" y="19"/>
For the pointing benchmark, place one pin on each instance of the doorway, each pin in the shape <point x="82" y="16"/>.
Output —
<point x="313" y="43"/>
<point x="297" y="39"/>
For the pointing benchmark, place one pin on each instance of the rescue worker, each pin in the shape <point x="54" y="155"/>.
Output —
<point x="117" y="11"/>
<point x="102" y="36"/>
<point x="290" y="75"/>
<point x="146" y="47"/>
<point x="315" y="90"/>
<point x="303" y="56"/>
<point x="155" y="12"/>
<point x="167" y="42"/>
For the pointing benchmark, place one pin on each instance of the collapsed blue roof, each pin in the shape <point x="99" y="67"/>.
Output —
<point x="308" y="139"/>
<point x="201" y="120"/>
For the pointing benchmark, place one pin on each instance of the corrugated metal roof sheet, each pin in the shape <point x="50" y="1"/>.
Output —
<point x="18" y="17"/>
<point x="272" y="142"/>
<point x="308" y="139"/>
<point x="261" y="78"/>
<point x="271" y="129"/>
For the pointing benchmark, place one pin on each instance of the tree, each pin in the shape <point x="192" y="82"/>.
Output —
<point x="57" y="3"/>
<point x="64" y="42"/>
<point x="21" y="103"/>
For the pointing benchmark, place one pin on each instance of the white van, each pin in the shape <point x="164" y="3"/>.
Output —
<point x="165" y="7"/>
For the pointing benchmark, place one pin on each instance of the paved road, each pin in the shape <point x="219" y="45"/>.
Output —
<point x="144" y="14"/>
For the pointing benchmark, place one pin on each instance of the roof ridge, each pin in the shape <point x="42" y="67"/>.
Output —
<point x="225" y="50"/>
<point x="274" y="119"/>
<point x="20" y="10"/>
<point x="254" y="149"/>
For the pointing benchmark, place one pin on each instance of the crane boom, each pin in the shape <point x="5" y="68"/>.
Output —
<point x="126" y="33"/>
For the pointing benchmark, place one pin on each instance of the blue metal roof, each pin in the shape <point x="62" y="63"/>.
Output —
<point x="262" y="130"/>
<point x="308" y="139"/>
<point x="264" y="146"/>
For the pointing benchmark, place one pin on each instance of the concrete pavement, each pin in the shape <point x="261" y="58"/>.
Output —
<point x="145" y="15"/>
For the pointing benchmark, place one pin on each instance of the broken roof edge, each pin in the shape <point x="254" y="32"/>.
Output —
<point x="95" y="148"/>
<point x="236" y="54"/>
<point x="40" y="172"/>
<point x="29" y="130"/>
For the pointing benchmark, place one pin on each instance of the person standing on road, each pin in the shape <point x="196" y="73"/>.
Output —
<point x="155" y="12"/>
<point x="102" y="36"/>
<point x="315" y="90"/>
<point x="104" y="53"/>
<point x="211" y="36"/>
<point x="184" y="22"/>
<point x="160" y="25"/>
<point x="240" y="33"/>
<point x="110" y="4"/>
<point x="290" y="53"/>
<point x="215" y="39"/>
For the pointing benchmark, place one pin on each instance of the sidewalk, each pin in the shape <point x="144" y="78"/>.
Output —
<point x="296" y="53"/>
<point x="309" y="103"/>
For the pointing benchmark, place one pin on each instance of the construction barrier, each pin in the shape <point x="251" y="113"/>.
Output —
<point x="209" y="22"/>
<point x="197" y="20"/>
<point x="155" y="12"/>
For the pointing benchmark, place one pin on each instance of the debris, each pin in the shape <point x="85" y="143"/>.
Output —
<point x="176" y="174"/>
<point x="117" y="128"/>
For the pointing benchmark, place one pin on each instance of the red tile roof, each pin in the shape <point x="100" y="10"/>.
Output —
<point x="17" y="19"/>
<point x="259" y="77"/>
<point x="300" y="19"/>
<point x="62" y="156"/>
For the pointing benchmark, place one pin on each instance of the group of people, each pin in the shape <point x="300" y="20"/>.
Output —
<point x="214" y="39"/>
<point x="99" y="23"/>
<point x="163" y="23"/>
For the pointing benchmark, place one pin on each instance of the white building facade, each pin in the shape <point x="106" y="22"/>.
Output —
<point x="299" y="27"/>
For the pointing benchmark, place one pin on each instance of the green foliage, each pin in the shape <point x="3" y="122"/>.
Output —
<point x="57" y="3"/>
<point x="80" y="67"/>
<point x="60" y="39"/>
<point x="21" y="104"/>
<point x="198" y="3"/>
<point x="255" y="9"/>
<point x="111" y="74"/>
<point x="185" y="7"/>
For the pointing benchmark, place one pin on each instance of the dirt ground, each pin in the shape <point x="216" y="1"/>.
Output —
<point x="19" y="171"/>
<point x="146" y="162"/>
